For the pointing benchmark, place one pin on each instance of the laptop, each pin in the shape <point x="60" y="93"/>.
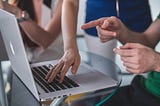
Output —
<point x="32" y="75"/>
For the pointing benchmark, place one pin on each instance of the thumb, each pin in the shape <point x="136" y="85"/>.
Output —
<point x="105" y="24"/>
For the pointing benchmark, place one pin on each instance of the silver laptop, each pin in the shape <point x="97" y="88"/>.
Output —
<point x="32" y="75"/>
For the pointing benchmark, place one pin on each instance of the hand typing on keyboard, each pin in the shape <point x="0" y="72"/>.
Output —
<point x="69" y="59"/>
<point x="39" y="74"/>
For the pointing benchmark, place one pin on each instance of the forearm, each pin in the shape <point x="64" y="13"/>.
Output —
<point x="149" y="38"/>
<point x="125" y="35"/>
<point x="37" y="34"/>
<point x="69" y="23"/>
<point x="133" y="37"/>
<point x="54" y="25"/>
<point x="33" y="31"/>
<point x="156" y="64"/>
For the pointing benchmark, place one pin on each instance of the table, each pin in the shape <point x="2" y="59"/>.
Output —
<point x="20" y="96"/>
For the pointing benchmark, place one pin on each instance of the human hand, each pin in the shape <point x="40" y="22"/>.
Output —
<point x="138" y="58"/>
<point x="10" y="8"/>
<point x="71" y="58"/>
<point x="108" y="28"/>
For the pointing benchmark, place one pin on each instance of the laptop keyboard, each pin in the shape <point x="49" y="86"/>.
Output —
<point x="40" y="73"/>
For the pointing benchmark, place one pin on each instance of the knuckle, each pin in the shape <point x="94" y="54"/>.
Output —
<point x="113" y="17"/>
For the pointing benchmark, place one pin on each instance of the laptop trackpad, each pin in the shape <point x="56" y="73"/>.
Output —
<point x="91" y="78"/>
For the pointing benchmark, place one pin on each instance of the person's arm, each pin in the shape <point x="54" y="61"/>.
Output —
<point x="69" y="29"/>
<point x="136" y="57"/>
<point x="44" y="37"/>
<point x="149" y="38"/>
<point x="37" y="34"/>
<point x="71" y="57"/>
<point x="112" y="28"/>
<point x="69" y="23"/>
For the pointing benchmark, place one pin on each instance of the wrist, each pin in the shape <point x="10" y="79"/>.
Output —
<point x="123" y="33"/>
<point x="157" y="62"/>
<point x="70" y="45"/>
<point x="73" y="48"/>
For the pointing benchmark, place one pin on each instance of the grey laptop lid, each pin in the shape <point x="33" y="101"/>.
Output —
<point x="16" y="53"/>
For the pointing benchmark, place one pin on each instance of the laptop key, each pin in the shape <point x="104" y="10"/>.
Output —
<point x="41" y="85"/>
<point x="47" y="68"/>
<point x="43" y="82"/>
<point x="42" y="72"/>
<point x="53" y="85"/>
<point x="71" y="81"/>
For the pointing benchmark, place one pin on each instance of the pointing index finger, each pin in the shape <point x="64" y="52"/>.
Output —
<point x="93" y="23"/>
<point x="90" y="24"/>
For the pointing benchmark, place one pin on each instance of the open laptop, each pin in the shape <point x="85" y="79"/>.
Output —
<point x="32" y="75"/>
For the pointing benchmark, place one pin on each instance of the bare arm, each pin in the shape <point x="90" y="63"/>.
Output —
<point x="37" y="34"/>
<point x="42" y="37"/>
<point x="113" y="28"/>
<point x="149" y="38"/>
<point x="69" y="23"/>
<point x="71" y="57"/>
<point x="136" y="57"/>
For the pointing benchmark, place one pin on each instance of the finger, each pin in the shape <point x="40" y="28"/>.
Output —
<point x="131" y="46"/>
<point x="90" y="24"/>
<point x="124" y="52"/>
<point x="134" y="71"/>
<point x="75" y="67"/>
<point x="63" y="73"/>
<point x="130" y="70"/>
<point x="131" y="65"/>
<point x="93" y="23"/>
<point x="103" y="40"/>
<point x="108" y="22"/>
<point x="106" y="33"/>
<point x="105" y="24"/>
<point x="55" y="72"/>
<point x="132" y="60"/>
<point x="101" y="37"/>
<point x="49" y="73"/>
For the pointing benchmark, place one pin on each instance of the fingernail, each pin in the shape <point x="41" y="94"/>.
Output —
<point x="74" y="72"/>
<point x="115" y="50"/>
<point x="49" y="80"/>
<point x="46" y="78"/>
<point x="60" y="81"/>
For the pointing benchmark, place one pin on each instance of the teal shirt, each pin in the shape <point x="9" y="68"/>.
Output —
<point x="152" y="83"/>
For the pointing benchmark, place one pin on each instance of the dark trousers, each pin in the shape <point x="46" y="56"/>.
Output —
<point x="133" y="95"/>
